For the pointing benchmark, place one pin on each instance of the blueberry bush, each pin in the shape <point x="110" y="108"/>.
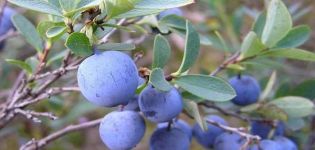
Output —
<point x="156" y="74"/>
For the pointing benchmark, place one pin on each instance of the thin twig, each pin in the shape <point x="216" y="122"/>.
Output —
<point x="106" y="37"/>
<point x="37" y="144"/>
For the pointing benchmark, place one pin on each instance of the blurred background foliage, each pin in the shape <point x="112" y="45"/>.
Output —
<point x="224" y="22"/>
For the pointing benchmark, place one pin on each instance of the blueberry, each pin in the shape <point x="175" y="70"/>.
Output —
<point x="262" y="129"/>
<point x="207" y="138"/>
<point x="6" y="23"/>
<point x="108" y="79"/>
<point x="169" y="139"/>
<point x="133" y="103"/>
<point x="160" y="106"/>
<point x="285" y="143"/>
<point x="122" y="130"/>
<point x="229" y="141"/>
<point x="247" y="90"/>
<point x="172" y="11"/>
<point x="266" y="145"/>
<point x="180" y="124"/>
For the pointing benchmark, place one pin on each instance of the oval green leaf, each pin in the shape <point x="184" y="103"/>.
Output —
<point x="207" y="87"/>
<point x="157" y="79"/>
<point x="294" y="106"/>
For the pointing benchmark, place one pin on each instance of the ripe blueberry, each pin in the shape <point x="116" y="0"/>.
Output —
<point x="108" y="79"/>
<point x="160" y="106"/>
<point x="169" y="139"/>
<point x="122" y="130"/>
<point x="247" y="90"/>
<point x="180" y="124"/>
<point x="229" y="141"/>
<point x="207" y="138"/>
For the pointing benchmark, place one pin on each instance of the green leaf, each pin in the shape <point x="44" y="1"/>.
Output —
<point x="193" y="110"/>
<point x="207" y="87"/>
<point x="162" y="4"/>
<point x="57" y="57"/>
<point x="294" y="106"/>
<point x="259" y="24"/>
<point x="278" y="23"/>
<point x="251" y="45"/>
<point x="305" y="89"/>
<point x="55" y="31"/>
<point x="28" y="31"/>
<point x="192" y="45"/>
<point x="38" y="5"/>
<point x="117" y="7"/>
<point x="270" y="85"/>
<point x="161" y="52"/>
<point x="157" y="79"/>
<point x="295" y="124"/>
<point x="149" y="7"/>
<point x="117" y="46"/>
<point x="43" y="26"/>
<point x="84" y="5"/>
<point x="296" y="37"/>
<point x="138" y="12"/>
<point x="68" y="5"/>
<point x="272" y="112"/>
<point x="291" y="53"/>
<point x="173" y="21"/>
<point x="79" y="44"/>
<point x="20" y="64"/>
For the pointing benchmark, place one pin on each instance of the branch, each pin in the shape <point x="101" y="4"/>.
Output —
<point x="240" y="131"/>
<point x="37" y="144"/>
<point x="106" y="37"/>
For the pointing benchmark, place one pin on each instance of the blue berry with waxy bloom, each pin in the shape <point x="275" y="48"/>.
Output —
<point x="263" y="128"/>
<point x="122" y="130"/>
<point x="229" y="141"/>
<point x="6" y="23"/>
<point x="169" y="139"/>
<point x="180" y="124"/>
<point x="247" y="90"/>
<point x="285" y="143"/>
<point x="266" y="145"/>
<point x="108" y="78"/>
<point x="207" y="138"/>
<point x="159" y="106"/>
<point x="133" y="103"/>
<point x="172" y="11"/>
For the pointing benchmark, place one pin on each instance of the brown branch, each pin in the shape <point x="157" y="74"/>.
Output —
<point x="37" y="144"/>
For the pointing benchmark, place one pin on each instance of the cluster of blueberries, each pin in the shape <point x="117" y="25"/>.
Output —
<point x="6" y="23"/>
<point x="110" y="79"/>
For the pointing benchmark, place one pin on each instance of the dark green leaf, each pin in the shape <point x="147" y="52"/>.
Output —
<point x="157" y="79"/>
<point x="305" y="89"/>
<point x="20" y="64"/>
<point x="29" y="32"/>
<point x="291" y="53"/>
<point x="161" y="52"/>
<point x="117" y="46"/>
<point x="192" y="45"/>
<point x="296" y="37"/>
<point x="278" y="23"/>
<point x="207" y="87"/>
<point x="38" y="5"/>
<point x="272" y="112"/>
<point x="79" y="44"/>
<point x="294" y="106"/>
